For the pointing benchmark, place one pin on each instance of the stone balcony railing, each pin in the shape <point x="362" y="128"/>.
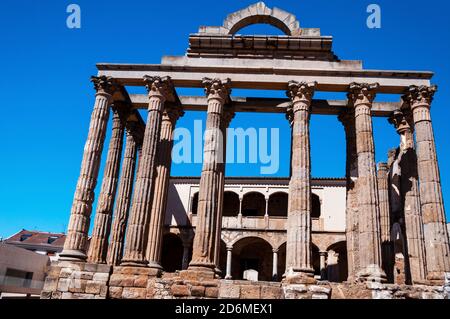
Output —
<point x="260" y="222"/>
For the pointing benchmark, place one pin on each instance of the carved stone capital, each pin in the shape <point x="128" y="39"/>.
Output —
<point x="217" y="89"/>
<point x="173" y="113"/>
<point x="301" y="92"/>
<point x="384" y="167"/>
<point x="401" y="121"/>
<point x="161" y="87"/>
<point x="419" y="95"/>
<point x="362" y="93"/>
<point x="104" y="84"/>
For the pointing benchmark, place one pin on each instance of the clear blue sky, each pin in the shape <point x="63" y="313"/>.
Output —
<point x="47" y="97"/>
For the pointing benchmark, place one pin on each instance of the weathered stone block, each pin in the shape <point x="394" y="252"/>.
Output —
<point x="319" y="289"/>
<point x="50" y="284"/>
<point x="268" y="292"/>
<point x="194" y="275"/>
<point x="93" y="287"/>
<point x="46" y="295"/>
<point x="115" y="292"/>
<point x="212" y="292"/>
<point x="134" y="293"/>
<point x="121" y="280"/>
<point x="198" y="291"/>
<point x="250" y="292"/>
<point x="67" y="295"/>
<point x="180" y="290"/>
<point x="319" y="296"/>
<point x="101" y="277"/>
<point x="229" y="291"/>
<point x="63" y="284"/>
<point x="56" y="295"/>
<point x="141" y="281"/>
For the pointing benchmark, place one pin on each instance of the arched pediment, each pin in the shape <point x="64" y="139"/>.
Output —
<point x="254" y="14"/>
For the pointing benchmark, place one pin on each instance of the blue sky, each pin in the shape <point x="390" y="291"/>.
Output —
<point x="47" y="97"/>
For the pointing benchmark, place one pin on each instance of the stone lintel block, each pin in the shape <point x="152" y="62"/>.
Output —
<point x="134" y="293"/>
<point x="212" y="292"/>
<point x="115" y="292"/>
<point x="180" y="290"/>
<point x="251" y="292"/>
<point x="198" y="291"/>
<point x="269" y="292"/>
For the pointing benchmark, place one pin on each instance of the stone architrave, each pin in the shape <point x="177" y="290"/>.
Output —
<point x="98" y="245"/>
<point x="204" y="247"/>
<point x="298" y="245"/>
<point x="361" y="96"/>
<point x="75" y="244"/>
<point x="160" y="90"/>
<point x="347" y="118"/>
<point x="171" y="114"/>
<point x="435" y="231"/>
<point x="122" y="207"/>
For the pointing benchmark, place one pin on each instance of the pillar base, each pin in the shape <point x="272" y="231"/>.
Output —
<point x="155" y="265"/>
<point x="73" y="255"/>
<point x="372" y="273"/>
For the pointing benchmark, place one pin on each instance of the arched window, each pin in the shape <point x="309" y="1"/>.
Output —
<point x="278" y="204"/>
<point x="230" y="204"/>
<point x="253" y="204"/>
<point x="315" y="203"/>
<point x="194" y="204"/>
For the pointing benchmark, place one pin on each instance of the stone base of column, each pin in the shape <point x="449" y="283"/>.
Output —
<point x="437" y="278"/>
<point x="371" y="273"/>
<point x="76" y="280"/>
<point x="132" y="282"/>
<point x="134" y="263"/>
<point x="73" y="255"/>
<point x="155" y="265"/>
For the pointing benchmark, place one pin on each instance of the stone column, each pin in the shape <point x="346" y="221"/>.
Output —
<point x="361" y="97"/>
<point x="77" y="233"/>
<point x="229" y="260"/>
<point x="217" y="92"/>
<point x="98" y="247"/>
<point x="409" y="189"/>
<point x="162" y="179"/>
<point x="228" y="115"/>
<point x="385" y="221"/>
<point x="323" y="264"/>
<point x="347" y="118"/>
<point x="435" y="231"/>
<point x="160" y="90"/>
<point x="298" y="246"/>
<point x="123" y="201"/>
<point x="275" y="265"/>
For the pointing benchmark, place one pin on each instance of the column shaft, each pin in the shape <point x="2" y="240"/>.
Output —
<point x="211" y="181"/>
<point x="122" y="207"/>
<point x="275" y="265"/>
<point x="361" y="97"/>
<point x="162" y="179"/>
<point x="77" y="234"/>
<point x="298" y="246"/>
<point x="135" y="245"/>
<point x="98" y="246"/>
<point x="434" y="225"/>
<point x="229" y="260"/>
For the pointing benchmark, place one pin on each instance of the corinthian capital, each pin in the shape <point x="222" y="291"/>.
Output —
<point x="173" y="112"/>
<point x="161" y="87"/>
<point x="216" y="88"/>
<point x="419" y="95"/>
<point x="362" y="93"/>
<point x="401" y="121"/>
<point x="301" y="91"/>
<point x="104" y="84"/>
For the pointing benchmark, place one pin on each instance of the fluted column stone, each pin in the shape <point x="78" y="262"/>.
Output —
<point x="76" y="241"/>
<point x="347" y="118"/>
<point x="298" y="246"/>
<point x="162" y="179"/>
<point x="361" y="97"/>
<point x="98" y="247"/>
<point x="203" y="259"/>
<point x="434" y="225"/>
<point x="122" y="207"/>
<point x="160" y="90"/>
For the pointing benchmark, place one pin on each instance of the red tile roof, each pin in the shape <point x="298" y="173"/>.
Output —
<point x="37" y="238"/>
